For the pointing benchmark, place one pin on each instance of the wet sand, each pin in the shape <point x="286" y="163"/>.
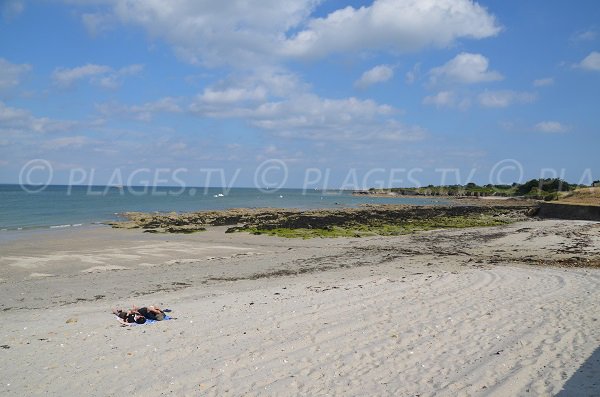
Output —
<point x="503" y="310"/>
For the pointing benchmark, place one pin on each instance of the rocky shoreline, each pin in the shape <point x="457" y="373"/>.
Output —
<point x="368" y="216"/>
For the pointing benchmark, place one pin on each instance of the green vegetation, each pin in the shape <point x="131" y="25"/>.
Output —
<point x="539" y="189"/>
<point x="384" y="229"/>
<point x="544" y="189"/>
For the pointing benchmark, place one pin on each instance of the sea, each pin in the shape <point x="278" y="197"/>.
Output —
<point x="59" y="207"/>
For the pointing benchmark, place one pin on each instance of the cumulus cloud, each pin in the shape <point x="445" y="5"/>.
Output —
<point x="551" y="127"/>
<point x="397" y="25"/>
<point x="11" y="74"/>
<point x="378" y="74"/>
<point x="543" y="82"/>
<point x="591" y="62"/>
<point x="465" y="68"/>
<point x="309" y="116"/>
<point x="231" y="95"/>
<point x="278" y="103"/>
<point x="215" y="33"/>
<point x="504" y="98"/>
<point x="102" y="75"/>
<point x="243" y="35"/>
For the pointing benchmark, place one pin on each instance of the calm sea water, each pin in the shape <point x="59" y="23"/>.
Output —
<point x="64" y="206"/>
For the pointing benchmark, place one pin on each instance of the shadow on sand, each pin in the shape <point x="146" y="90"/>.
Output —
<point x="586" y="381"/>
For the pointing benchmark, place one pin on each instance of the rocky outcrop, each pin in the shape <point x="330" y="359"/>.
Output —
<point x="268" y="219"/>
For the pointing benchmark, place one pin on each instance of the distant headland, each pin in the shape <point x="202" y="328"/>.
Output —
<point x="550" y="189"/>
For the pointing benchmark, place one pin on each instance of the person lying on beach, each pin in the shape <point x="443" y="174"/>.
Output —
<point x="129" y="316"/>
<point x="150" y="312"/>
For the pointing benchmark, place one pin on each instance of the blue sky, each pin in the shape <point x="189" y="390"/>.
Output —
<point x="385" y="92"/>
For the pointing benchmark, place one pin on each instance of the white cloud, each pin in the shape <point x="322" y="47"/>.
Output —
<point x="11" y="74"/>
<point x="280" y="104"/>
<point x="465" y="68"/>
<point x="233" y="95"/>
<point x="447" y="99"/>
<point x="22" y="120"/>
<point x="587" y="35"/>
<point x="442" y="98"/>
<point x="243" y="35"/>
<point x="101" y="75"/>
<point x="130" y="70"/>
<point x="95" y="24"/>
<point x="214" y="33"/>
<point x="551" y="127"/>
<point x="8" y="114"/>
<point x="504" y="98"/>
<point x="397" y="25"/>
<point x="591" y="62"/>
<point x="74" y="142"/>
<point x="143" y="112"/>
<point x="66" y="77"/>
<point x="378" y="74"/>
<point x="543" y="82"/>
<point x="311" y="117"/>
<point x="114" y="80"/>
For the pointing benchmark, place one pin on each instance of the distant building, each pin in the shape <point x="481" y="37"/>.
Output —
<point x="596" y="184"/>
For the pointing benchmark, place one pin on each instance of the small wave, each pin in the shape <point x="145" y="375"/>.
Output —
<point x="42" y="227"/>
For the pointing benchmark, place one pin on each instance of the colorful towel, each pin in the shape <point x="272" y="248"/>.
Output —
<point x="148" y="321"/>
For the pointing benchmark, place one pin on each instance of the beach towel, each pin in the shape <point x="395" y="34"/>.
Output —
<point x="146" y="323"/>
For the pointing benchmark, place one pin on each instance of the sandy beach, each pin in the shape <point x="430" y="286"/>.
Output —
<point x="505" y="310"/>
<point x="328" y="198"/>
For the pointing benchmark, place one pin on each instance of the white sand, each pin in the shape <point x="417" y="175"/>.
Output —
<point x="447" y="313"/>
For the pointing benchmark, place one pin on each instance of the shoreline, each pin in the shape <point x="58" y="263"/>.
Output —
<point x="121" y="220"/>
<point x="58" y="205"/>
